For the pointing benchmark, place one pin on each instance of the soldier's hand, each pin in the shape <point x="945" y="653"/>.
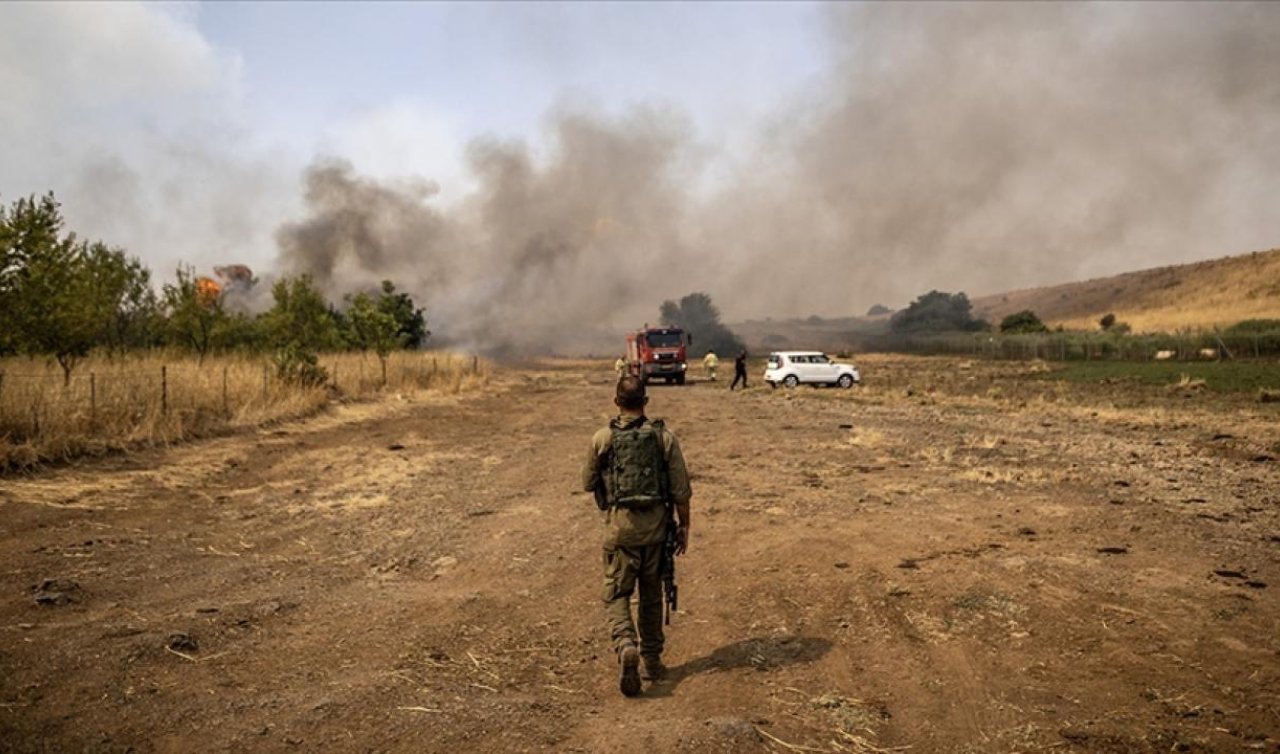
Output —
<point x="682" y="540"/>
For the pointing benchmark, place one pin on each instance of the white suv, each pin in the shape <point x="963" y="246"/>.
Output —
<point x="813" y="367"/>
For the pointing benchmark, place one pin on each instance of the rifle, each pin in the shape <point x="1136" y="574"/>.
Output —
<point x="670" y="591"/>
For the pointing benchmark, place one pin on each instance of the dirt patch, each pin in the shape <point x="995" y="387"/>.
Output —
<point x="923" y="563"/>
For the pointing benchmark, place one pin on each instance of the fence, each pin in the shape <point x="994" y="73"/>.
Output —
<point x="161" y="398"/>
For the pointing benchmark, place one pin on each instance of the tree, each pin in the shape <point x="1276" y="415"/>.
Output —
<point x="936" y="311"/>
<point x="49" y="302"/>
<point x="411" y="326"/>
<point x="701" y="318"/>
<point x="300" y="316"/>
<point x="1107" y="321"/>
<point x="1024" y="321"/>
<point x="371" y="329"/>
<point x="194" y="320"/>
<point x="121" y="293"/>
<point x="878" y="309"/>
<point x="299" y="325"/>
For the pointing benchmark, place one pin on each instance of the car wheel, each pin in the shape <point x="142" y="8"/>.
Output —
<point x="680" y="379"/>
<point x="845" y="381"/>
<point x="791" y="380"/>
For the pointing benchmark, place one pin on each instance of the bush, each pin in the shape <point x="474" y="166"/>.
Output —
<point x="296" y="366"/>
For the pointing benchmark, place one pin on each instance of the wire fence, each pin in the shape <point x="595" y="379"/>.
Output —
<point x="160" y="398"/>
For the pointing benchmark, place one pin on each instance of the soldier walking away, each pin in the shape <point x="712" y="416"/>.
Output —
<point x="636" y="470"/>
<point x="740" y="370"/>
<point x="710" y="362"/>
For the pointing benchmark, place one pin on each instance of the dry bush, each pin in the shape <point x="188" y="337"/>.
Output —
<point x="157" y="398"/>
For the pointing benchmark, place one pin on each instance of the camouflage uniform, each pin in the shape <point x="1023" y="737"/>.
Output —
<point x="633" y="540"/>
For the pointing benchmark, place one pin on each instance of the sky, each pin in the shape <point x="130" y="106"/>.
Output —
<point x="787" y="158"/>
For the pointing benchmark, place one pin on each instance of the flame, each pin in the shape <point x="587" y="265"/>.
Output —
<point x="207" y="291"/>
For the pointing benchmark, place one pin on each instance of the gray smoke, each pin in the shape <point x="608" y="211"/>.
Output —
<point x="961" y="147"/>
<point x="551" y="254"/>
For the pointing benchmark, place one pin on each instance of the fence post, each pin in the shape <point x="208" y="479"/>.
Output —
<point x="264" y="383"/>
<point x="93" y="401"/>
<point x="475" y="364"/>
<point x="164" y="389"/>
<point x="336" y="386"/>
<point x="383" y="362"/>
<point x="226" y="406"/>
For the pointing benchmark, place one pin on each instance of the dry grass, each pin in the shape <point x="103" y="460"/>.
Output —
<point x="158" y="398"/>
<point x="1215" y="293"/>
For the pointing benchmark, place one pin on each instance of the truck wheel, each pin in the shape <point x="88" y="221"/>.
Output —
<point x="791" y="380"/>
<point x="680" y="379"/>
<point x="845" y="381"/>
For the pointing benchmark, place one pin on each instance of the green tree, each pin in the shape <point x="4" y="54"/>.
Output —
<point x="936" y="311"/>
<point x="127" y="307"/>
<point x="194" y="320"/>
<point x="301" y="316"/>
<point x="411" y="326"/>
<point x="701" y="318"/>
<point x="50" y="305"/>
<point x="1024" y="321"/>
<point x="299" y="325"/>
<point x="370" y="328"/>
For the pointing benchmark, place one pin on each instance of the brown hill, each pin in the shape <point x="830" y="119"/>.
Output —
<point x="1201" y="295"/>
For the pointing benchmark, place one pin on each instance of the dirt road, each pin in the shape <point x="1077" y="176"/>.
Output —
<point x="869" y="570"/>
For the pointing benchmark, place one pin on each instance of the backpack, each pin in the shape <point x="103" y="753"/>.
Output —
<point x="636" y="465"/>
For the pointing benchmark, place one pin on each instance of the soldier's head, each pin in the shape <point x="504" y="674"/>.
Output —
<point x="631" y="395"/>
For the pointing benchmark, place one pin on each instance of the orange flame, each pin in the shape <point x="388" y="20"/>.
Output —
<point x="207" y="291"/>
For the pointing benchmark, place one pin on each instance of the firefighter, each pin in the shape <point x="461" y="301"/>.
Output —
<point x="709" y="363"/>
<point x="620" y="366"/>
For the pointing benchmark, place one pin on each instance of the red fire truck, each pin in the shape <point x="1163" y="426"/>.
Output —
<point x="654" y="352"/>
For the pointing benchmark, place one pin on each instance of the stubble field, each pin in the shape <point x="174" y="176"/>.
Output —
<point x="957" y="557"/>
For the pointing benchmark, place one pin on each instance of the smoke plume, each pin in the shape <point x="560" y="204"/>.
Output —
<point x="961" y="147"/>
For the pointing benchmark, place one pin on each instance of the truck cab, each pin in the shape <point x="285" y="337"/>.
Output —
<point x="659" y="353"/>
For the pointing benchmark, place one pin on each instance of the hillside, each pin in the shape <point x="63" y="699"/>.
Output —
<point x="1217" y="292"/>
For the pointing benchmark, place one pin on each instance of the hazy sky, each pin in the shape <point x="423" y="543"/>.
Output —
<point x="788" y="158"/>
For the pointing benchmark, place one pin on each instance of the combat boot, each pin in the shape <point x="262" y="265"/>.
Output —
<point x="629" y="679"/>
<point x="652" y="669"/>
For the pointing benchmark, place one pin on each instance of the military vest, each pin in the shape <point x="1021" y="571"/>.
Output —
<point x="636" y="469"/>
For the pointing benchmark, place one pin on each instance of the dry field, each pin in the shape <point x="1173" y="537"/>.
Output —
<point x="958" y="557"/>
<point x="139" y="400"/>
<point x="1199" y="296"/>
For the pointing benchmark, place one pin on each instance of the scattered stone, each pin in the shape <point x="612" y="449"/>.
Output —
<point x="480" y="512"/>
<point x="1227" y="573"/>
<point x="56" y="592"/>
<point x="1223" y="436"/>
<point x="1263" y="458"/>
<point x="444" y="564"/>
<point x="182" y="642"/>
<point x="846" y="426"/>
<point x="1256" y="584"/>
<point x="842" y="565"/>
<point x="1120" y="483"/>
<point x="1026" y="531"/>
<point x="1113" y="550"/>
<point x="395" y="446"/>
<point x="909" y="564"/>
<point x="206" y="610"/>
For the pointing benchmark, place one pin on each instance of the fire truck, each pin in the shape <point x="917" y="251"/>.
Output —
<point x="658" y="352"/>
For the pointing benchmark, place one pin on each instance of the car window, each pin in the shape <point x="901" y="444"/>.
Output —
<point x="800" y="359"/>
<point x="821" y="359"/>
<point x="775" y="360"/>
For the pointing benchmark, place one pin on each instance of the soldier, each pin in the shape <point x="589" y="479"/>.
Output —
<point x="710" y="362"/>
<point x="637" y="471"/>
